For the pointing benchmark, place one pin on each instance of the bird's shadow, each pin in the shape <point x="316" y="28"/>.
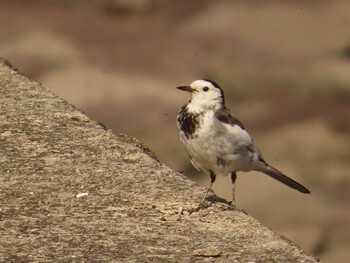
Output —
<point x="216" y="199"/>
<point x="212" y="200"/>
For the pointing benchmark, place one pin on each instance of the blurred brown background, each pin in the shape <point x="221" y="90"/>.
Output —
<point x="285" y="67"/>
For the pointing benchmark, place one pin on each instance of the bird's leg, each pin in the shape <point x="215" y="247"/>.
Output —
<point x="233" y="179"/>
<point x="212" y="180"/>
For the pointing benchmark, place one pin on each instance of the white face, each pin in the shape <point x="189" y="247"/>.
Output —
<point x="205" y="94"/>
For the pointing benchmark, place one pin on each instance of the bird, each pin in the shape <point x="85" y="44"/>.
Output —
<point x="217" y="142"/>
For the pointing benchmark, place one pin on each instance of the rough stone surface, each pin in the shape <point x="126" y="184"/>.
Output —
<point x="71" y="191"/>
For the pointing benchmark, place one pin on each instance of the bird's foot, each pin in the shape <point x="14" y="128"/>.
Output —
<point x="233" y="204"/>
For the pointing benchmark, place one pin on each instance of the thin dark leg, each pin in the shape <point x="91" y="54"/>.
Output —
<point x="233" y="179"/>
<point x="212" y="180"/>
<point x="212" y="177"/>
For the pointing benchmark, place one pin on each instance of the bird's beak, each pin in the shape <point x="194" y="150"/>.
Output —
<point x="186" y="88"/>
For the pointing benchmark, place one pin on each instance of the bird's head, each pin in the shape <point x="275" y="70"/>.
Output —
<point x="205" y="94"/>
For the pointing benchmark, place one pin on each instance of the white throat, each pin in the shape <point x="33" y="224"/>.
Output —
<point x="199" y="104"/>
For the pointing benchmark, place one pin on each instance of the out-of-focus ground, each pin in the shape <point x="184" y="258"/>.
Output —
<point x="285" y="67"/>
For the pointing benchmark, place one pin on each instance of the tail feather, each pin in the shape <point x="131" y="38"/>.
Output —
<point x="279" y="176"/>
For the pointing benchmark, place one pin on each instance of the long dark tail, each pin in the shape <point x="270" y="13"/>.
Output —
<point x="279" y="176"/>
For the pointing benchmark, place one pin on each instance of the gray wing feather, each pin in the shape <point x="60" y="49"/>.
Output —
<point x="242" y="144"/>
<point x="225" y="116"/>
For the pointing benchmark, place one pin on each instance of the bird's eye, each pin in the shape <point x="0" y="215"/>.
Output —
<point x="205" y="89"/>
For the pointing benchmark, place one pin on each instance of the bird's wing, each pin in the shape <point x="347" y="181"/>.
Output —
<point x="235" y="139"/>
<point x="234" y="128"/>
<point x="225" y="116"/>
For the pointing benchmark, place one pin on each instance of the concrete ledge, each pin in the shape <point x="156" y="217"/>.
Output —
<point x="71" y="191"/>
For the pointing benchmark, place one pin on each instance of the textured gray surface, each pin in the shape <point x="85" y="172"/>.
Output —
<point x="50" y="152"/>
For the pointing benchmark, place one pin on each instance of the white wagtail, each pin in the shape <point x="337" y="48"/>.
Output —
<point x="216" y="141"/>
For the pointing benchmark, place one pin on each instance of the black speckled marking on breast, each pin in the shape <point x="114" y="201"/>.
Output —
<point x="188" y="122"/>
